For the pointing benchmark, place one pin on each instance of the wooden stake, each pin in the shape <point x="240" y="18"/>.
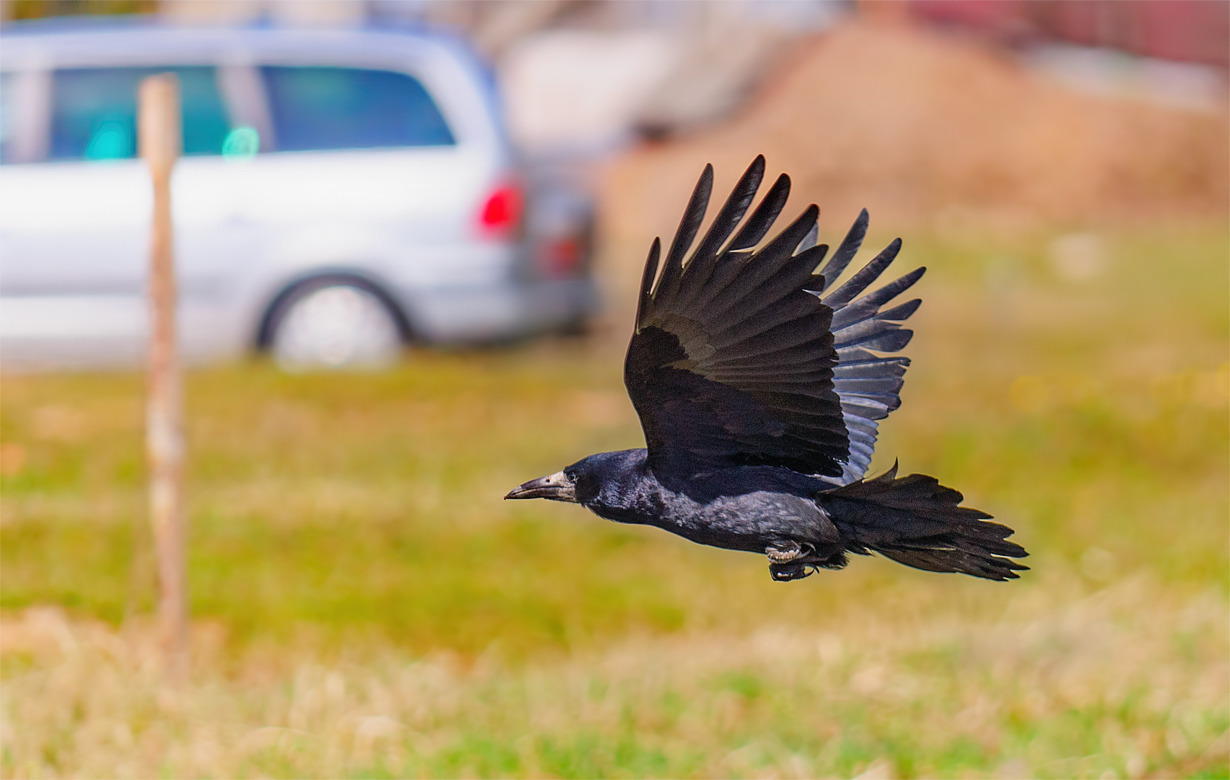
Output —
<point x="159" y="138"/>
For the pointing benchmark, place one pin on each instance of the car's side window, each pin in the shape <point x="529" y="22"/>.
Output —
<point x="317" y="108"/>
<point x="94" y="112"/>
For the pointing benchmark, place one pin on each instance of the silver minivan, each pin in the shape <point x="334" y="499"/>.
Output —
<point x="340" y="194"/>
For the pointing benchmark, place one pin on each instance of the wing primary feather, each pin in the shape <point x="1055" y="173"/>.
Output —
<point x="790" y="276"/>
<point x="700" y="266"/>
<point x="846" y="250"/>
<point x="738" y="283"/>
<point x="858" y="359"/>
<point x="866" y="275"/>
<point x="693" y="215"/>
<point x="651" y="270"/>
<point x="864" y="330"/>
<point x="806" y="368"/>
<point x="733" y="210"/>
<point x="892" y="341"/>
<point x="869" y="385"/>
<point x="764" y="265"/>
<point x="889" y="367"/>
<point x="746" y="323"/>
<point x="689" y="226"/>
<point x="791" y="336"/>
<point x="727" y="269"/>
<point x="809" y="240"/>
<point x="902" y="312"/>
<point x="865" y="407"/>
<point x="781" y="248"/>
<point x="764" y="216"/>
<point x="868" y="305"/>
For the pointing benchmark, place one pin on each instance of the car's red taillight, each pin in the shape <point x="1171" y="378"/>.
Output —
<point x="501" y="212"/>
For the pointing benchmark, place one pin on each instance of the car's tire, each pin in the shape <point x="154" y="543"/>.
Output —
<point x="334" y="324"/>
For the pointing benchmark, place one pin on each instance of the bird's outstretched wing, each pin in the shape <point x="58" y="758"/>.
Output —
<point x="738" y="358"/>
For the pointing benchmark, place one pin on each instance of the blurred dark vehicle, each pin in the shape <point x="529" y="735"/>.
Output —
<point x="1178" y="30"/>
<point x="341" y="194"/>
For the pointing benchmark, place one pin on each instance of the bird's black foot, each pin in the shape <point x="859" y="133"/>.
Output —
<point x="784" y="558"/>
<point x="790" y="571"/>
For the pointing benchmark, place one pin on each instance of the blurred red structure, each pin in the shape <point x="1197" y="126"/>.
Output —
<point x="1181" y="30"/>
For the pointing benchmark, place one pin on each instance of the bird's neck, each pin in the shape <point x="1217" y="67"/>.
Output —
<point x="630" y="492"/>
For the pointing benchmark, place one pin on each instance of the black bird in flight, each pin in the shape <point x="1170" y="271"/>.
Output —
<point x="759" y="388"/>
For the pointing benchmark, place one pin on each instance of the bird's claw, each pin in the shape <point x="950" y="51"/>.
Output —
<point x="783" y="561"/>
<point x="785" y="552"/>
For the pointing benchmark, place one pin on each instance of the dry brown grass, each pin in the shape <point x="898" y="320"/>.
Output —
<point x="898" y="698"/>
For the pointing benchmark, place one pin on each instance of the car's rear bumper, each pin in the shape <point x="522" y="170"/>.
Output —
<point x="495" y="313"/>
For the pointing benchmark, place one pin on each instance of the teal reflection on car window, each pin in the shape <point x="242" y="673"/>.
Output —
<point x="94" y="112"/>
<point x="241" y="143"/>
<point x="110" y="141"/>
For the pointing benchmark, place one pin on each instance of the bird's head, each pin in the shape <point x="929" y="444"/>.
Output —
<point x="584" y="481"/>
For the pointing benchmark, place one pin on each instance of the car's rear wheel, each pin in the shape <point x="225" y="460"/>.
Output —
<point x="331" y="324"/>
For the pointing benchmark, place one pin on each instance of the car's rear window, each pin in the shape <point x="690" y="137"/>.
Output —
<point x="94" y="112"/>
<point x="317" y="108"/>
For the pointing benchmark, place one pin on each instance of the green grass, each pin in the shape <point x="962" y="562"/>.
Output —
<point x="365" y="604"/>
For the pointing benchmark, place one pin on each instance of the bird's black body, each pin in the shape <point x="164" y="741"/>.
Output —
<point x="759" y="391"/>
<point x="746" y="508"/>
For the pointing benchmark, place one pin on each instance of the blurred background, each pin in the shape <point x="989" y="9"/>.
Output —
<point x="452" y="201"/>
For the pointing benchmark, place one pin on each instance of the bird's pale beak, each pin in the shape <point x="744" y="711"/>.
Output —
<point x="556" y="487"/>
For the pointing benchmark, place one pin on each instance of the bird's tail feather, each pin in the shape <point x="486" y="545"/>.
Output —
<point x="917" y="521"/>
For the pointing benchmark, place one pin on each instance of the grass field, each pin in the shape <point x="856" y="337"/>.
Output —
<point x="366" y="606"/>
